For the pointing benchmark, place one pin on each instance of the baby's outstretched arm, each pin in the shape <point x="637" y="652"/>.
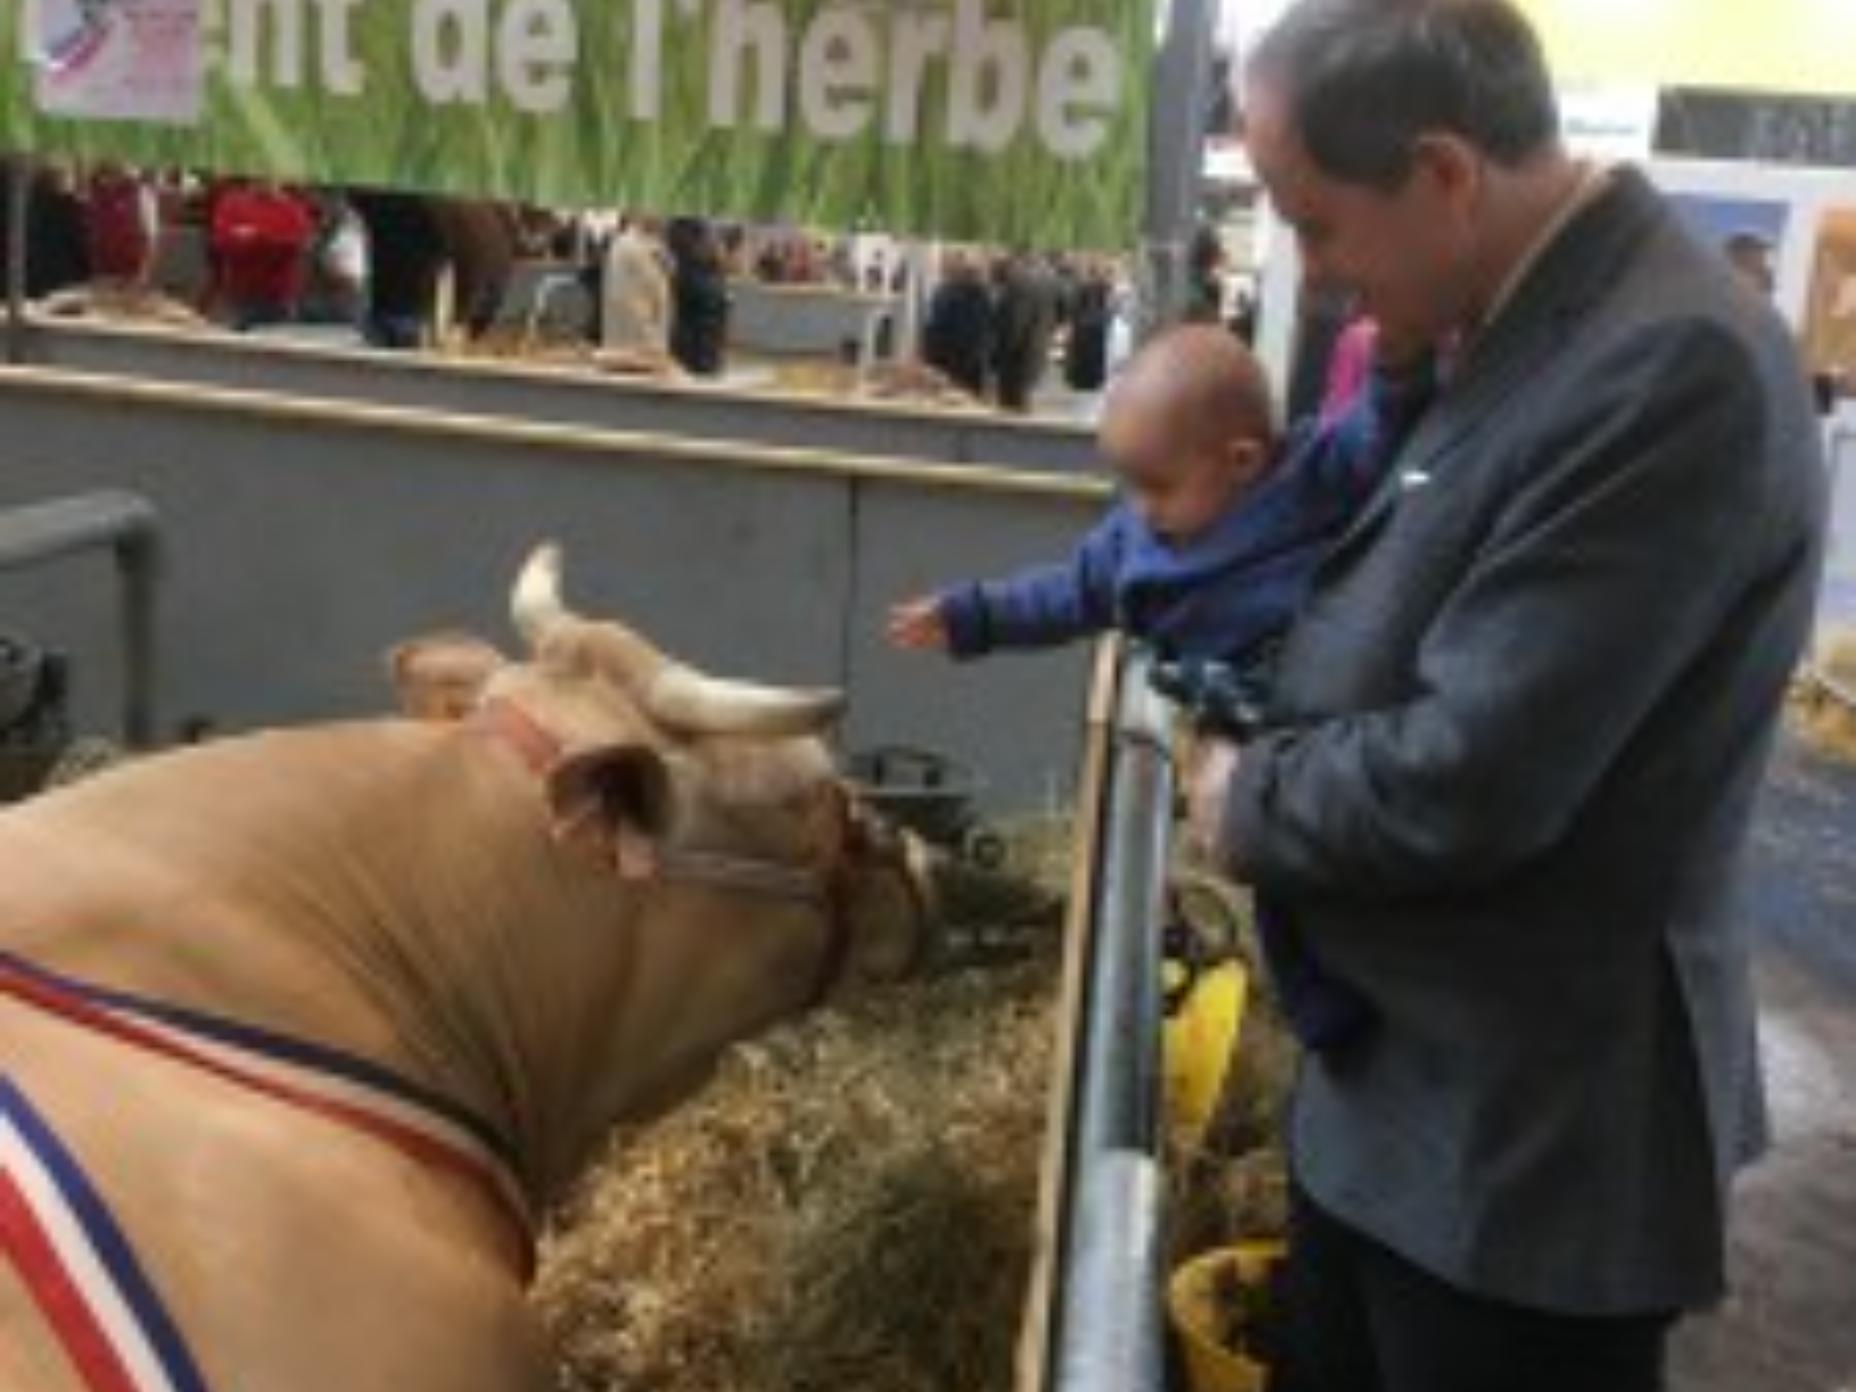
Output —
<point x="1035" y="608"/>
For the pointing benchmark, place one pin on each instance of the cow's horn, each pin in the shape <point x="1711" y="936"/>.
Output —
<point x="535" y="603"/>
<point x="686" y="700"/>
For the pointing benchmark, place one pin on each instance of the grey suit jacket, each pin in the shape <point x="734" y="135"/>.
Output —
<point x="1526" y="711"/>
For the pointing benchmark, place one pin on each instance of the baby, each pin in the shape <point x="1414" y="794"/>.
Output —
<point x="1219" y="527"/>
<point x="1209" y="552"/>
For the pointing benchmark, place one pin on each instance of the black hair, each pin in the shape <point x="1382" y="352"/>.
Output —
<point x="1364" y="79"/>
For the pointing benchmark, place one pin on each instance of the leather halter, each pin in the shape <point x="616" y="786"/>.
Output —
<point x="825" y="891"/>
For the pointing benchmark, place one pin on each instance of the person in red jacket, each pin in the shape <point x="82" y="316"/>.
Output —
<point x="260" y="235"/>
<point x="121" y="224"/>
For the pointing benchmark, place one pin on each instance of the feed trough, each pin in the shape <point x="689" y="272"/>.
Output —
<point x="930" y="794"/>
<point x="33" y="725"/>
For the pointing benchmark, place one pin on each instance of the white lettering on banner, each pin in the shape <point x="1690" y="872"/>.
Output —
<point x="1078" y="86"/>
<point x="837" y="74"/>
<point x="915" y="36"/>
<point x="841" y="66"/>
<point x="647" y="59"/>
<point x="247" y="25"/>
<point x="739" y="26"/>
<point x="450" y="50"/>
<point x="537" y="44"/>
<point x="989" y="60"/>
<point x="343" y="74"/>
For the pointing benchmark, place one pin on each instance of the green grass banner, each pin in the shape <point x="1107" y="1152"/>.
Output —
<point x="1017" y="121"/>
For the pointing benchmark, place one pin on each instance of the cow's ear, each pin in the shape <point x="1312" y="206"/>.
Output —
<point x="614" y="804"/>
<point x="441" y="677"/>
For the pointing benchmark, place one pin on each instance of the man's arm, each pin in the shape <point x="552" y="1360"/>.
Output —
<point x="1615" y="563"/>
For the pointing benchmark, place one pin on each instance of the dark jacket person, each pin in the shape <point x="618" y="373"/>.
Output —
<point x="1521" y="722"/>
<point x="406" y="253"/>
<point x="957" y="337"/>
<point x="699" y="298"/>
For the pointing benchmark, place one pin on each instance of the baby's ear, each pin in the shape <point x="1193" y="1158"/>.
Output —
<point x="1250" y="456"/>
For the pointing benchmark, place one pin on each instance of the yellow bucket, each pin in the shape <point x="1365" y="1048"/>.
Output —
<point x="1199" y="1042"/>
<point x="1193" y="1303"/>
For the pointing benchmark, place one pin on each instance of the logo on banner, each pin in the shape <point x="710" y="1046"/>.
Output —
<point x="118" y="60"/>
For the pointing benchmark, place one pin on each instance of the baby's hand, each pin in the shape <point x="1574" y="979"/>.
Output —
<point x="917" y="625"/>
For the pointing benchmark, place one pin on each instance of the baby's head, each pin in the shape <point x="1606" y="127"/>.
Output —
<point x="1188" y="429"/>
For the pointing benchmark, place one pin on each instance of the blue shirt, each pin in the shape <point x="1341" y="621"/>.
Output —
<point x="1231" y="592"/>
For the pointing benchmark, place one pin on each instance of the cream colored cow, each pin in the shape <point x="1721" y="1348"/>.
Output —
<point x="545" y="906"/>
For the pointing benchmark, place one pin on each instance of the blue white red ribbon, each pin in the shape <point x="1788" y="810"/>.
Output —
<point x="63" y="1240"/>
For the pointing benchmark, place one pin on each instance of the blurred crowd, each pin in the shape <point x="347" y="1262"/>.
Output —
<point x="406" y="270"/>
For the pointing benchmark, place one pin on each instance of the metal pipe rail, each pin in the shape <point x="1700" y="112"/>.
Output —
<point x="1106" y="1332"/>
<point x="127" y="524"/>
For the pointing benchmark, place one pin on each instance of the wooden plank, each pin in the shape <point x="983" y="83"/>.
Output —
<point x="1091" y="809"/>
<point x="614" y="445"/>
<point x="1060" y="432"/>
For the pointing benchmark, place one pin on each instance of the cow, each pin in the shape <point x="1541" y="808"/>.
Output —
<point x="312" y="1023"/>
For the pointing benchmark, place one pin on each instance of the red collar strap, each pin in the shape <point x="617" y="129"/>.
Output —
<point x="538" y="747"/>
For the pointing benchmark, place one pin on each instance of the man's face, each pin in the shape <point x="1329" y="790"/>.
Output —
<point x="1403" y="255"/>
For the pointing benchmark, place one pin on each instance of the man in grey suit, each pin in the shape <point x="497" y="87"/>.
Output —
<point x="1519" y="726"/>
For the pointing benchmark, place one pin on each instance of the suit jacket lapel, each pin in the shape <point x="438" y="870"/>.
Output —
<point x="1569" y="277"/>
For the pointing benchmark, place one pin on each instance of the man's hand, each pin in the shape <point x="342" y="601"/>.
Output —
<point x="1208" y="784"/>
<point x="917" y="625"/>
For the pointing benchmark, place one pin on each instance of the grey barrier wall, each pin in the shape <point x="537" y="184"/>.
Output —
<point x="802" y="318"/>
<point x="302" y="539"/>
<point x="576" y="397"/>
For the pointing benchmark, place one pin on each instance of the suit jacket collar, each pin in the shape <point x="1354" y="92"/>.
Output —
<point x="1569" y="277"/>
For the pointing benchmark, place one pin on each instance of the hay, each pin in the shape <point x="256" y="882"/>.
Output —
<point x="849" y="1204"/>
<point x="117" y="302"/>
<point x="1234" y="1186"/>
<point x="1824" y="722"/>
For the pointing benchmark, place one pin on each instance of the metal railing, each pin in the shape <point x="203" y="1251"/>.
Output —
<point x="127" y="524"/>
<point x="1105" y="1326"/>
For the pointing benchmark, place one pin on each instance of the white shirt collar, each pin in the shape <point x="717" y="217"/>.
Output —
<point x="1594" y="179"/>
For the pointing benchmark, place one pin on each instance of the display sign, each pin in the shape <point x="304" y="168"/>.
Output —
<point x="1011" y="120"/>
<point x="1615" y="122"/>
<point x="1761" y="127"/>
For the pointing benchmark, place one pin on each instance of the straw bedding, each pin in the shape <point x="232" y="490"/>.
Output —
<point x="849" y="1204"/>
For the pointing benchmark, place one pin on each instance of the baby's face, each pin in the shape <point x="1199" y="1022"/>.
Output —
<point x="1180" y="488"/>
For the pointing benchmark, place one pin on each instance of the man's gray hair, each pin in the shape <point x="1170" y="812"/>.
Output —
<point x="1364" y="79"/>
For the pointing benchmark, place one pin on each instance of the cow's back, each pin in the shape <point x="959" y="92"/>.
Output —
<point x="294" y="1252"/>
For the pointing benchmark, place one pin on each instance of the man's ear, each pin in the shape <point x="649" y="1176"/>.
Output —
<point x="1454" y="167"/>
<point x="441" y="676"/>
<point x="614" y="804"/>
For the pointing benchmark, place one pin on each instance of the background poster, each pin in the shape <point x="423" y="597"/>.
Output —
<point x="117" y="60"/>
